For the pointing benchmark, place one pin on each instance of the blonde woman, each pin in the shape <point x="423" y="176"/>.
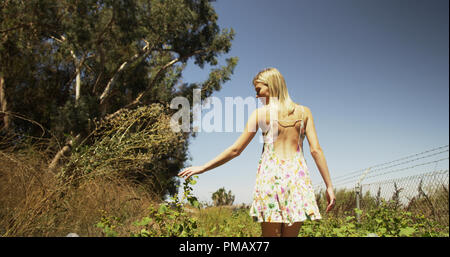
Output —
<point x="283" y="196"/>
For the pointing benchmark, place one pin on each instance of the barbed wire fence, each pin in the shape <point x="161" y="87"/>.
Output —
<point x="417" y="183"/>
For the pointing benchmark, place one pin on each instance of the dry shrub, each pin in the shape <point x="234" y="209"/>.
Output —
<point x="137" y="144"/>
<point x="35" y="202"/>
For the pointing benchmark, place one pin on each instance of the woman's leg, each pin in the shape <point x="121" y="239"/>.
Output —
<point x="291" y="231"/>
<point x="271" y="229"/>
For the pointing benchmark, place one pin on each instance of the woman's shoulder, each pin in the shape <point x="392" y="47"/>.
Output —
<point x="304" y="109"/>
<point x="301" y="107"/>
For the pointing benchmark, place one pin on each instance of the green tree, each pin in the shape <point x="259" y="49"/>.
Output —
<point x="221" y="197"/>
<point x="70" y="65"/>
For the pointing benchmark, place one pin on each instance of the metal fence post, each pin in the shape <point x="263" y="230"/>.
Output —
<point x="358" y="187"/>
<point x="358" y="194"/>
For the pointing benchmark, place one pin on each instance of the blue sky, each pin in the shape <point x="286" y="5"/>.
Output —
<point x="374" y="74"/>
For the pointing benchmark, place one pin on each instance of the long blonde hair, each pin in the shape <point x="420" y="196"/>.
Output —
<point x="277" y="89"/>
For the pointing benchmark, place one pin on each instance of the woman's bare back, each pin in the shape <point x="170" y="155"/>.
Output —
<point x="285" y="144"/>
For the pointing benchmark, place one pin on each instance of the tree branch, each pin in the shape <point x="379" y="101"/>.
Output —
<point x="63" y="151"/>
<point x="167" y="65"/>
<point x="106" y="92"/>
<point x="17" y="27"/>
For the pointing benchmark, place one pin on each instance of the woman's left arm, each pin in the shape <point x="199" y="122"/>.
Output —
<point x="231" y="152"/>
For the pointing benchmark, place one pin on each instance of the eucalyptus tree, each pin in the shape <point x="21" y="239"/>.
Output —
<point x="66" y="63"/>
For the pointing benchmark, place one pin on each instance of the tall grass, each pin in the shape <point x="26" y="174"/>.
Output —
<point x="226" y="221"/>
<point x="35" y="201"/>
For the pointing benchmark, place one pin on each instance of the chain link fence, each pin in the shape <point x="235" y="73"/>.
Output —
<point x="409" y="188"/>
<point x="425" y="194"/>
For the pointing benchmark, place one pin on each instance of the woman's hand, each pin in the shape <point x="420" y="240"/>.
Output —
<point x="331" y="199"/>
<point x="190" y="171"/>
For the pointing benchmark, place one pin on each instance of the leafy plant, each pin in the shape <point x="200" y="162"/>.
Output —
<point x="108" y="224"/>
<point x="387" y="221"/>
<point x="384" y="221"/>
<point x="170" y="219"/>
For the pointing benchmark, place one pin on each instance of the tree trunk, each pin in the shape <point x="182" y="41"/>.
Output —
<point x="3" y="104"/>
<point x="78" y="64"/>
<point x="77" y="85"/>
<point x="63" y="151"/>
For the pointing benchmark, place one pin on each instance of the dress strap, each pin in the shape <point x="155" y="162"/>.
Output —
<point x="300" y="135"/>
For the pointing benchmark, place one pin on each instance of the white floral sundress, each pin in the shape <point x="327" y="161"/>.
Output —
<point x="283" y="192"/>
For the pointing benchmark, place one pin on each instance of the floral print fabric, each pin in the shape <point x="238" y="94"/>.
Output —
<point x="283" y="191"/>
